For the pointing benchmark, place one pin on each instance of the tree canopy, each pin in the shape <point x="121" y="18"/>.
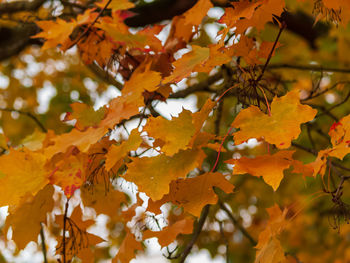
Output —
<point x="257" y="171"/>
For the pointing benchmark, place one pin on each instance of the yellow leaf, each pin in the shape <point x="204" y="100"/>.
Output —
<point x="280" y="128"/>
<point x="85" y="115"/>
<point x="175" y="133"/>
<point x="21" y="172"/>
<point x="153" y="175"/>
<point x="118" y="152"/>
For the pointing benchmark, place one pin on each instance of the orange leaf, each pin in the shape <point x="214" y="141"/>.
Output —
<point x="280" y="128"/>
<point x="81" y="139"/>
<point x="195" y="15"/>
<point x="168" y="234"/>
<point x="186" y="64"/>
<point x="26" y="219"/>
<point x="194" y="193"/>
<point x="127" y="249"/>
<point x="104" y="200"/>
<point x="269" y="247"/>
<point x="270" y="167"/>
<point x="55" y="32"/>
<point x="116" y="4"/>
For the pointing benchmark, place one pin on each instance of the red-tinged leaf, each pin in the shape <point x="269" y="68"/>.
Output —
<point x="69" y="173"/>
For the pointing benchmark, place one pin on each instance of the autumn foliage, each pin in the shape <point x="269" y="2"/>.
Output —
<point x="256" y="171"/>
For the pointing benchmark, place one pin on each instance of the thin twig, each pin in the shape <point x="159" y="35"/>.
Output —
<point x="30" y="115"/>
<point x="237" y="224"/>
<point x="309" y="68"/>
<point x="43" y="244"/>
<point x="196" y="233"/>
<point x="90" y="25"/>
<point x="271" y="52"/>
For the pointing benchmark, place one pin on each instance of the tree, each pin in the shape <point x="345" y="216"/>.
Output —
<point x="257" y="173"/>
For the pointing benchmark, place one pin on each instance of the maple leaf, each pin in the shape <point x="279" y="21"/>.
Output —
<point x="280" y="128"/>
<point x="175" y="134"/>
<point x="85" y="115"/>
<point x="104" y="200"/>
<point x="116" y="5"/>
<point x="187" y="63"/>
<point x="340" y="139"/>
<point x="194" y="193"/>
<point x="27" y="218"/>
<point x="69" y="173"/>
<point x="127" y="249"/>
<point x="269" y="248"/>
<point x="169" y="233"/>
<point x="21" y="173"/>
<point x="117" y="152"/>
<point x="269" y="167"/>
<point x="96" y="47"/>
<point x="155" y="182"/>
<point x="55" y="32"/>
<point x="195" y="15"/>
<point x="81" y="139"/>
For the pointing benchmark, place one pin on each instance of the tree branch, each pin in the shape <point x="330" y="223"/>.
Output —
<point x="196" y="233"/>
<point x="17" y="6"/>
<point x="30" y="115"/>
<point x="237" y="224"/>
<point x="104" y="75"/>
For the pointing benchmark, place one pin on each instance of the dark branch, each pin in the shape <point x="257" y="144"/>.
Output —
<point x="17" y="6"/>
<point x="30" y="115"/>
<point x="237" y="224"/>
<point x="196" y="233"/>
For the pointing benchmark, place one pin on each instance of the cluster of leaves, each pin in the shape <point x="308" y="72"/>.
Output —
<point x="269" y="134"/>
